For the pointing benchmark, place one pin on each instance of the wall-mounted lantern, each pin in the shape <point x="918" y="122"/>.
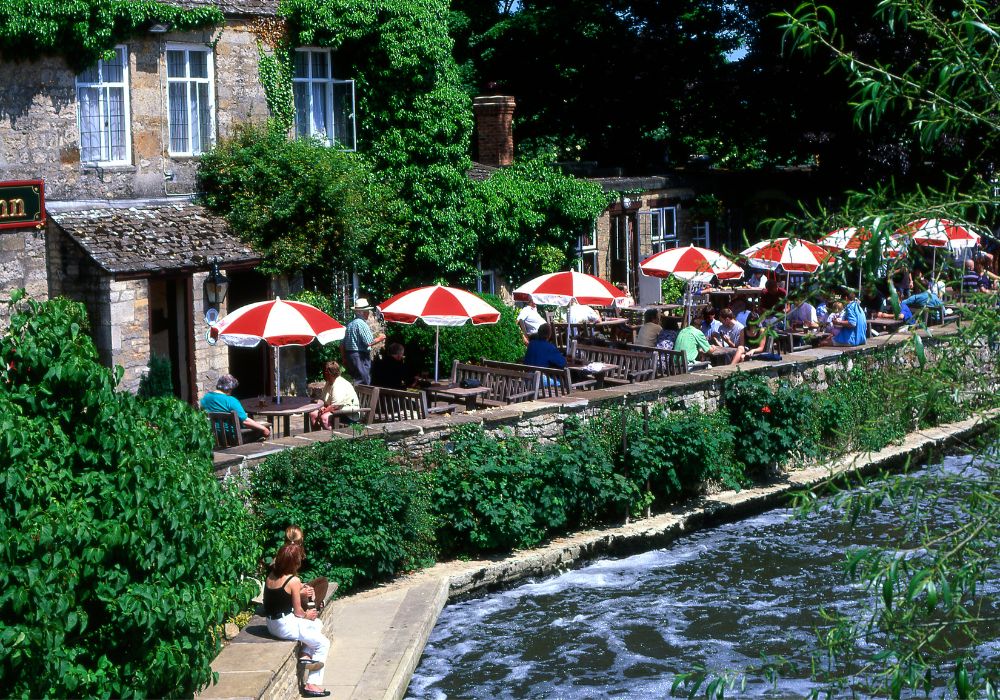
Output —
<point x="216" y="286"/>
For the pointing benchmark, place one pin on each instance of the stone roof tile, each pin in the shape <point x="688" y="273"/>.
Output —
<point x="153" y="237"/>
<point x="239" y="8"/>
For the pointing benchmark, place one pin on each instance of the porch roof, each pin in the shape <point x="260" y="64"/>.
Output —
<point x="151" y="237"/>
<point x="235" y="8"/>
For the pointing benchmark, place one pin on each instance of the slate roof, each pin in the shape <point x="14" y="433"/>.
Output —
<point x="237" y="8"/>
<point x="480" y="171"/>
<point x="152" y="238"/>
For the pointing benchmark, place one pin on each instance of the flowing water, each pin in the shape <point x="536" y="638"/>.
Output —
<point x="623" y="628"/>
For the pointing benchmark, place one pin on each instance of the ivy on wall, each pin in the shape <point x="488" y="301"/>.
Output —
<point x="83" y="30"/>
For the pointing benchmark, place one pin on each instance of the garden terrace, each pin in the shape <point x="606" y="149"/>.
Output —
<point x="544" y="418"/>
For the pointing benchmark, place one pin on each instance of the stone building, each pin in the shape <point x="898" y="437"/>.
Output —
<point x="117" y="146"/>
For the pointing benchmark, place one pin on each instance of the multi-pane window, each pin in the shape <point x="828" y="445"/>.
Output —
<point x="700" y="235"/>
<point x="657" y="230"/>
<point x="190" y="100"/>
<point x="102" y="94"/>
<point x="586" y="253"/>
<point x="324" y="106"/>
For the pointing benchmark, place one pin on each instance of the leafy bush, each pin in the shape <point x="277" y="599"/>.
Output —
<point x="122" y="550"/>
<point x="497" y="495"/>
<point x="365" y="515"/>
<point x="318" y="355"/>
<point x="767" y="424"/>
<point x="500" y="341"/>
<point x="158" y="381"/>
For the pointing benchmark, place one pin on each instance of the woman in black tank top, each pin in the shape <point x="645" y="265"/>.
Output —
<point x="287" y="619"/>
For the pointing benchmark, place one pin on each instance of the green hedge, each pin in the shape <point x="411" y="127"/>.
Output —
<point x="121" y="551"/>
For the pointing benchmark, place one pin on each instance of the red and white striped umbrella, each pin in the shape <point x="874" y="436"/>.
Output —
<point x="560" y="288"/>
<point x="848" y="240"/>
<point x="438" y="306"/>
<point x="277" y="323"/>
<point x="791" y="255"/>
<point x="940" y="233"/>
<point x="691" y="264"/>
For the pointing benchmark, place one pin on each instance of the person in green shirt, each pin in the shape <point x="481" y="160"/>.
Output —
<point x="693" y="343"/>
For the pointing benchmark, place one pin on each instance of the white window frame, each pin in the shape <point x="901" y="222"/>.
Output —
<point x="660" y="238"/>
<point x="104" y="87"/>
<point x="587" y="250"/>
<point x="188" y="82"/>
<point x="701" y="234"/>
<point x="329" y="85"/>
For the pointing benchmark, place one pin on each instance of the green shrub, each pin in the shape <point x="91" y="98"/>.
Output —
<point x="500" y="341"/>
<point x="318" y="355"/>
<point x="767" y="424"/>
<point x="365" y="516"/>
<point x="121" y="550"/>
<point x="158" y="381"/>
<point x="498" y="495"/>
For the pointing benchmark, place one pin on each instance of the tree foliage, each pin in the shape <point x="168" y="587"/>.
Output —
<point x="302" y="205"/>
<point x="82" y="30"/>
<point x="121" y="550"/>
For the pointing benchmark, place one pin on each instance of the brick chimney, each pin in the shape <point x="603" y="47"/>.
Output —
<point x="494" y="115"/>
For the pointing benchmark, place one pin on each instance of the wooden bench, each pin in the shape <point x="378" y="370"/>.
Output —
<point x="670" y="362"/>
<point x="506" y="386"/>
<point x="227" y="429"/>
<point x="631" y="367"/>
<point x="560" y="381"/>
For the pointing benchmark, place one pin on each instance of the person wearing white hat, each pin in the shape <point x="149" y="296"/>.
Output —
<point x="358" y="341"/>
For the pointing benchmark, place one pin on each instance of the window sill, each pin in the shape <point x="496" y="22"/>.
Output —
<point x="110" y="167"/>
<point x="184" y="156"/>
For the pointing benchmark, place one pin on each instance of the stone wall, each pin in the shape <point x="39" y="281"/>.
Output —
<point x="39" y="133"/>
<point x="22" y="265"/>
<point x="210" y="361"/>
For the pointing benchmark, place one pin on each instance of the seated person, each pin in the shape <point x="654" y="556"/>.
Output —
<point x="693" y="343"/>
<point x="970" y="280"/>
<point x="754" y="336"/>
<point x="221" y="400"/>
<point x="529" y="319"/>
<point x="542" y="352"/>
<point x="646" y="335"/>
<point x="581" y="313"/>
<point x="757" y="280"/>
<point x="390" y="370"/>
<point x="338" y="394"/>
<point x="802" y="316"/>
<point x="668" y="332"/>
<point x="739" y="305"/>
<point x="709" y="324"/>
<point x="851" y="330"/>
<point x="923" y="300"/>
<point x="625" y="302"/>
<point x="727" y="340"/>
<point x="836" y="313"/>
<point x="772" y="297"/>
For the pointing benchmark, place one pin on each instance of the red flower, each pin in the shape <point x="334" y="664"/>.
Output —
<point x="766" y="409"/>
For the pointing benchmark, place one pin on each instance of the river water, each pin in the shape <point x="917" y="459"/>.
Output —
<point x="623" y="628"/>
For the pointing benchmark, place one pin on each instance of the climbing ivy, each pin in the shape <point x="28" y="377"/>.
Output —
<point x="82" y="31"/>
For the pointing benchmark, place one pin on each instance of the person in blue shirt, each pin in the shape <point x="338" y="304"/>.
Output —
<point x="221" y="400"/>
<point x="851" y="329"/>
<point x="542" y="352"/>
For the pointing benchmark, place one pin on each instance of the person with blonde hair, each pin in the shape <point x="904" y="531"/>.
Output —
<point x="314" y="592"/>
<point x="288" y="619"/>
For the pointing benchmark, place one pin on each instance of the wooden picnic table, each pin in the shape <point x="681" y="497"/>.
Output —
<point x="468" y="396"/>
<point x="886" y="325"/>
<point x="596" y="374"/>
<point x="283" y="412"/>
<point x="787" y="338"/>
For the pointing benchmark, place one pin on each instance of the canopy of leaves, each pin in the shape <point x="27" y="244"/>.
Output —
<point x="121" y="549"/>
<point x="299" y="203"/>
<point x="82" y="30"/>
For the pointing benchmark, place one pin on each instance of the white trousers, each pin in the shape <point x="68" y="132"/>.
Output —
<point x="310" y="633"/>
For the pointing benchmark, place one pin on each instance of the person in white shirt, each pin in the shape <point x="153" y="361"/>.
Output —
<point x="529" y="319"/>
<point x="581" y="313"/>
<point x="709" y="324"/>
<point x="802" y="316"/>
<point x="757" y="280"/>
<point x="728" y="338"/>
<point x="625" y="302"/>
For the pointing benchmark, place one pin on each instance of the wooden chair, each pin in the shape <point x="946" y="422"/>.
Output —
<point x="227" y="429"/>
<point x="393" y="405"/>
<point x="560" y="380"/>
<point x="631" y="366"/>
<point x="368" y="399"/>
<point x="669" y="362"/>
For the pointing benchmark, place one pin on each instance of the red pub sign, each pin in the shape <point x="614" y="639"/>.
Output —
<point x="22" y="204"/>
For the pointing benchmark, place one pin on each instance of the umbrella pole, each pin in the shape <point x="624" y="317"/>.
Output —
<point x="569" y="332"/>
<point x="933" y="266"/>
<point x="860" y="272"/>
<point x="277" y="374"/>
<point x="437" y="343"/>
